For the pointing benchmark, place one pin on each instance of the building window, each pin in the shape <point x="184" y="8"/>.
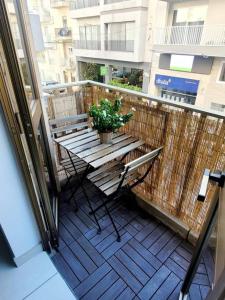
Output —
<point x="218" y="107"/>
<point x="194" y="15"/>
<point x="89" y="37"/>
<point x="70" y="50"/>
<point x="120" y="36"/>
<point x="64" y="22"/>
<point x="222" y="73"/>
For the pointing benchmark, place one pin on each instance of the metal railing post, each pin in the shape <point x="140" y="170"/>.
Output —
<point x="206" y="229"/>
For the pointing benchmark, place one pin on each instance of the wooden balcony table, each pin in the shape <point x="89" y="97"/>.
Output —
<point x="86" y="152"/>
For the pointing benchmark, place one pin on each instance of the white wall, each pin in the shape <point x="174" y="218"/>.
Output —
<point x="16" y="215"/>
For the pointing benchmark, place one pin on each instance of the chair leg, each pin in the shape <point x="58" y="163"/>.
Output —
<point x="111" y="219"/>
<point x="73" y="193"/>
<point x="91" y="208"/>
<point x="67" y="182"/>
<point x="74" y="204"/>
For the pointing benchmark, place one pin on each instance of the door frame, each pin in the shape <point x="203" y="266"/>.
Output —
<point x="21" y="120"/>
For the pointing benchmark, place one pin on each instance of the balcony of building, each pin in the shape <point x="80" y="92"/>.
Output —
<point x="78" y="4"/>
<point x="63" y="34"/>
<point x="208" y="40"/>
<point x="84" y="8"/>
<point x="60" y="3"/>
<point x="45" y="16"/>
<point x="119" y="45"/>
<point x="87" y="44"/>
<point x="113" y="1"/>
<point x="92" y="8"/>
<point x="161" y="221"/>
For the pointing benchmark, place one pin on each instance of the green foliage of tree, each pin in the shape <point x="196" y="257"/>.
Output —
<point x="125" y="85"/>
<point x="90" y="71"/>
<point x="106" y="116"/>
<point x="135" y="77"/>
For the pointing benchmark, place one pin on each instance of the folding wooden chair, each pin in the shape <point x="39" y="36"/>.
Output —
<point x="59" y="128"/>
<point x="73" y="166"/>
<point x="115" y="178"/>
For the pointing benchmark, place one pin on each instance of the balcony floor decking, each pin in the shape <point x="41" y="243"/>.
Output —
<point x="150" y="262"/>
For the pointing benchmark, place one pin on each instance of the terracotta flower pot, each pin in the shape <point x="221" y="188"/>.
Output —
<point x="106" y="137"/>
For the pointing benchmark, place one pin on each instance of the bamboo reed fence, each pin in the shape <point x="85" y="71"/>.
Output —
<point x="192" y="142"/>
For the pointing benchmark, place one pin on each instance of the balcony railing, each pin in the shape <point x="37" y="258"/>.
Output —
<point x="196" y="35"/>
<point x="83" y="4"/>
<point x="18" y="43"/>
<point x="113" y="1"/>
<point x="45" y="16"/>
<point x="59" y="3"/>
<point x="87" y="44"/>
<point x="63" y="33"/>
<point x="193" y="139"/>
<point x="118" y="45"/>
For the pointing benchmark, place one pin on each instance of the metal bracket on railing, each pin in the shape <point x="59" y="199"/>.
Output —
<point x="219" y="178"/>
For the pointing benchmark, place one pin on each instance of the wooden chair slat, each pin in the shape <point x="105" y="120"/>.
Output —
<point x="78" y="138"/>
<point x="113" y="188"/>
<point x="139" y="162"/>
<point x="69" y="127"/>
<point x="72" y="118"/>
<point x="71" y="135"/>
<point x="107" y="172"/>
<point x="103" y="168"/>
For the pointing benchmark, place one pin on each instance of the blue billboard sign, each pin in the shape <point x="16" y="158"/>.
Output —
<point x="176" y="83"/>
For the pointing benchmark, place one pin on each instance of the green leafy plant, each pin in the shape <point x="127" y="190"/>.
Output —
<point x="90" y="71"/>
<point x="125" y="85"/>
<point x="106" y="116"/>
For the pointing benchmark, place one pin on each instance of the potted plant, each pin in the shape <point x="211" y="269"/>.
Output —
<point x="107" y="119"/>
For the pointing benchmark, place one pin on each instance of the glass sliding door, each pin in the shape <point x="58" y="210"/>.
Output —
<point x="18" y="28"/>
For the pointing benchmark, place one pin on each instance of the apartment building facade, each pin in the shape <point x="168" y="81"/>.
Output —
<point x="178" y="45"/>
<point x="114" y="34"/>
<point x="188" y="60"/>
<point x="57" y="63"/>
<point x="52" y="34"/>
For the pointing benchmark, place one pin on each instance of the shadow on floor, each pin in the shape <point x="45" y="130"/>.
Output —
<point x="150" y="262"/>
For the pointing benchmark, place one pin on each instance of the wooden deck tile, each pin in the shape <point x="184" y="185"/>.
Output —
<point x="150" y="262"/>
<point x="114" y="291"/>
<point x="127" y="294"/>
<point x="146" y="231"/>
<point x="132" y="266"/>
<point x="125" y="274"/>
<point x="175" y="268"/>
<point x="139" y="260"/>
<point x="165" y="252"/>
<point x="91" y="251"/>
<point x="65" y="234"/>
<point x="92" y="280"/>
<point x="72" y="229"/>
<point x="162" y="241"/>
<point x="115" y="246"/>
<point x="102" y="286"/>
<point x="167" y="287"/>
<point x="80" y="272"/>
<point x="195" y="293"/>
<point x="145" y="254"/>
<point x="154" y="283"/>
<point x="83" y="257"/>
<point x="154" y="236"/>
<point x="204" y="291"/>
<point x="65" y="271"/>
